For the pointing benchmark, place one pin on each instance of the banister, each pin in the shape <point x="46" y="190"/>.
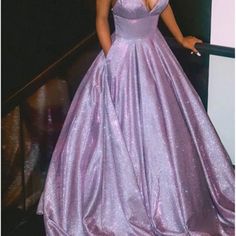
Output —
<point x="207" y="48"/>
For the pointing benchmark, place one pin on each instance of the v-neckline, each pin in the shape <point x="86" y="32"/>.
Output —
<point x="143" y="4"/>
<point x="146" y="7"/>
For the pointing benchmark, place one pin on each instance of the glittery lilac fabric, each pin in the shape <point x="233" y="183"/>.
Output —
<point x="138" y="155"/>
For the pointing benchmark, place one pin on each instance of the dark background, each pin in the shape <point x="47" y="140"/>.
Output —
<point x="36" y="33"/>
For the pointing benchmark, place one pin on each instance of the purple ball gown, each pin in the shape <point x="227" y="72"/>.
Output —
<point x="138" y="155"/>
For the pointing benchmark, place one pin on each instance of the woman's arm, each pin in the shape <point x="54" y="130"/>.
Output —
<point x="102" y="25"/>
<point x="169" y="19"/>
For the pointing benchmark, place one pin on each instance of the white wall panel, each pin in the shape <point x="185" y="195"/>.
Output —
<point x="221" y="107"/>
<point x="222" y="23"/>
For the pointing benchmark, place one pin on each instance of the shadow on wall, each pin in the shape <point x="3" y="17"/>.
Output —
<point x="37" y="33"/>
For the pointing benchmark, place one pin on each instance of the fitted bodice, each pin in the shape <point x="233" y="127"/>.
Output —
<point x="134" y="20"/>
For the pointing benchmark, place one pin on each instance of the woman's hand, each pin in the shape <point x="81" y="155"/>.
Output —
<point x="189" y="43"/>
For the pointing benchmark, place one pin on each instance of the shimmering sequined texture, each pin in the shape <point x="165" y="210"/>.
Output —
<point x="137" y="154"/>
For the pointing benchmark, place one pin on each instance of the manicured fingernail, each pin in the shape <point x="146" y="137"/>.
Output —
<point x="198" y="54"/>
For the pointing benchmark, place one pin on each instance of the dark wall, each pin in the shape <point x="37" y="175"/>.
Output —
<point x="36" y="33"/>
<point x="193" y="17"/>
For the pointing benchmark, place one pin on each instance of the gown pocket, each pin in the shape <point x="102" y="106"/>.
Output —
<point x="109" y="53"/>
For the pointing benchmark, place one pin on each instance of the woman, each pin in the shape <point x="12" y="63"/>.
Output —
<point x="137" y="154"/>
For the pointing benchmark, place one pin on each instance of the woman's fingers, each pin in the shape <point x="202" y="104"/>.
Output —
<point x="194" y="50"/>
<point x="190" y="42"/>
<point x="199" y="41"/>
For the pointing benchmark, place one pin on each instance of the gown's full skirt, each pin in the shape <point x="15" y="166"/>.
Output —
<point x="138" y="154"/>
